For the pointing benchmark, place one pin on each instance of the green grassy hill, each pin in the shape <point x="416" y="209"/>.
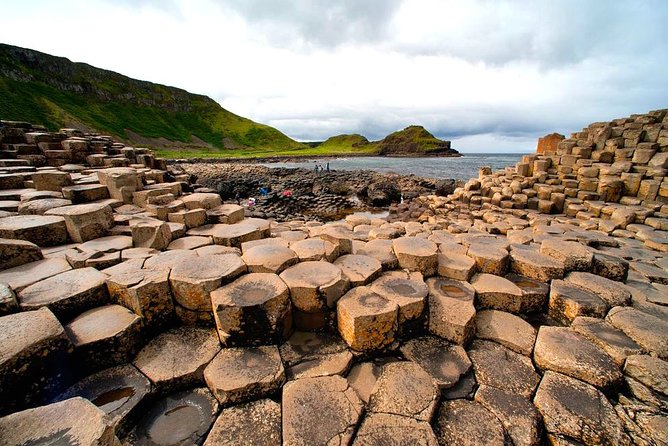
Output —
<point x="55" y="92"/>
<point x="413" y="140"/>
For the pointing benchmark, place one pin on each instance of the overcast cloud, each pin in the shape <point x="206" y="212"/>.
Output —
<point x="490" y="75"/>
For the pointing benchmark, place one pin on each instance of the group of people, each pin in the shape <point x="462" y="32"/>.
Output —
<point x="319" y="168"/>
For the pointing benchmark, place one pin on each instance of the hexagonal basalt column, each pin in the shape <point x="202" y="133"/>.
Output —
<point x="74" y="421"/>
<point x="315" y="287"/>
<point x="42" y="230"/>
<point x="104" y="336"/>
<point x="253" y="310"/>
<point x="451" y="310"/>
<point x="67" y="294"/>
<point x="366" y="320"/>
<point x="146" y="292"/>
<point x="193" y="281"/>
<point x="85" y="221"/>
<point x="407" y="290"/>
<point x="238" y="375"/>
<point x="33" y="349"/>
<point x="176" y="359"/>
<point x="359" y="269"/>
<point x="416" y="254"/>
<point x="269" y="258"/>
<point x="121" y="182"/>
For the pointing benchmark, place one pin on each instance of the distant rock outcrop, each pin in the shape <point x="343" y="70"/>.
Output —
<point x="414" y="140"/>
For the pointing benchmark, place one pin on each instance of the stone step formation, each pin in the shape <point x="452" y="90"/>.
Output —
<point x="529" y="307"/>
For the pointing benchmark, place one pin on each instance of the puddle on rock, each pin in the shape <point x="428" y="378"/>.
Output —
<point x="113" y="399"/>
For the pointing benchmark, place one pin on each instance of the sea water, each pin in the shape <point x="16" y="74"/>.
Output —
<point x="461" y="168"/>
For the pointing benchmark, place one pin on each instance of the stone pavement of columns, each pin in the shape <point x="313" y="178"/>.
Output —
<point x="136" y="308"/>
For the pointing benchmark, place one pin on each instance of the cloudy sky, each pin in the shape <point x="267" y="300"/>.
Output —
<point x="488" y="75"/>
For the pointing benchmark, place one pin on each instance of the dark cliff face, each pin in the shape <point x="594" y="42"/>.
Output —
<point x="414" y="140"/>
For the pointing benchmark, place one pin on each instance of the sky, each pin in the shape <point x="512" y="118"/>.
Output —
<point x="491" y="76"/>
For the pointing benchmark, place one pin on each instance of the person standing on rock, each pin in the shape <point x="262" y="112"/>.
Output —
<point x="327" y="166"/>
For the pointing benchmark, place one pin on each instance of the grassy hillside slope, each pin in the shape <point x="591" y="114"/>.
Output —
<point x="56" y="92"/>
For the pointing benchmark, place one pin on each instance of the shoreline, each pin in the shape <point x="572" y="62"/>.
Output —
<point x="295" y="158"/>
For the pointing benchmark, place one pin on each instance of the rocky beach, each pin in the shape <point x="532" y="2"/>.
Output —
<point x="141" y="305"/>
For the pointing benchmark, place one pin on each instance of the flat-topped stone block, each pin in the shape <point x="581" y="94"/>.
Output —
<point x="150" y="233"/>
<point x="404" y="388"/>
<point x="42" y="230"/>
<point x="252" y="310"/>
<point x="359" y="269"/>
<point x="225" y="213"/>
<point x="563" y="350"/>
<point x="17" y="252"/>
<point x="182" y="418"/>
<point x="85" y="193"/>
<point x="191" y="242"/>
<point x="451" y="310"/>
<point x="568" y="301"/>
<point x="202" y="200"/>
<point x="649" y="331"/>
<point x="366" y="321"/>
<point x="455" y="266"/>
<point x="314" y="249"/>
<point x="572" y="409"/>
<point x="534" y="293"/>
<point x="74" y="421"/>
<point x="385" y="428"/>
<point x="341" y="237"/>
<point x="497" y="293"/>
<point x="118" y="391"/>
<point x="497" y="366"/>
<point x="409" y="292"/>
<point x="27" y="274"/>
<point x="521" y="420"/>
<point x="232" y="424"/>
<point x="67" y="294"/>
<point x="51" y="180"/>
<point x="191" y="218"/>
<point x="312" y="354"/>
<point x="237" y="233"/>
<point x="416" y="254"/>
<point x="177" y="358"/>
<point x="506" y="329"/>
<point x="489" y="258"/>
<point x="267" y="258"/>
<point x="611" y="340"/>
<point x="322" y="410"/>
<point x="535" y="265"/>
<point x="382" y="251"/>
<point x="192" y="281"/>
<point x="446" y="363"/>
<point x="315" y="287"/>
<point x="121" y="182"/>
<point x="33" y="348"/>
<point x="146" y="292"/>
<point x="468" y="422"/>
<point x="85" y="221"/>
<point x="610" y="291"/>
<point x="574" y="256"/>
<point x="40" y="206"/>
<point x="239" y="375"/>
<point x="105" y="336"/>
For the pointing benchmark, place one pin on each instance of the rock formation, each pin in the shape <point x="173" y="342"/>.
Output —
<point x="528" y="307"/>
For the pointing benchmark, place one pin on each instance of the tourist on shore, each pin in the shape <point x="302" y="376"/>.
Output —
<point x="327" y="166"/>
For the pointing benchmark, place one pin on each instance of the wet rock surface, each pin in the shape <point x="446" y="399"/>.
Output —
<point x="527" y="307"/>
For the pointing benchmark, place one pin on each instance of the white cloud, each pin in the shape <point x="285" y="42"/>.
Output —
<point x="489" y="75"/>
